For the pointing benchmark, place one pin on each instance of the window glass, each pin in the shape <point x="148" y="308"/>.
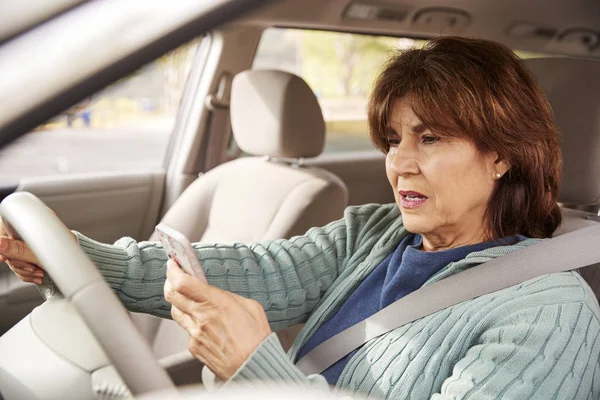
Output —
<point x="340" y="68"/>
<point x="524" y="54"/>
<point x="124" y="127"/>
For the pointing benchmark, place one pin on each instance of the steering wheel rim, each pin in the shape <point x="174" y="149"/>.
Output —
<point x="81" y="283"/>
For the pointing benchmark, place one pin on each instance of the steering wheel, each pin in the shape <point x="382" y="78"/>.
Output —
<point x="80" y="282"/>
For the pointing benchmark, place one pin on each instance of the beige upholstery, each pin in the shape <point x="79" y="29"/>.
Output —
<point x="592" y="277"/>
<point x="275" y="113"/>
<point x="255" y="198"/>
<point x="573" y="88"/>
<point x="575" y="219"/>
<point x="251" y="199"/>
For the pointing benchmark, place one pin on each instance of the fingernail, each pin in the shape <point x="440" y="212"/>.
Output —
<point x="38" y="281"/>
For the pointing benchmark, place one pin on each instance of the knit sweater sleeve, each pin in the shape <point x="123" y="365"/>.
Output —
<point x="269" y="363"/>
<point x="288" y="277"/>
<point x="545" y="352"/>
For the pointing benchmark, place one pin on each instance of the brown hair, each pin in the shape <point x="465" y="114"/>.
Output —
<point x="479" y="90"/>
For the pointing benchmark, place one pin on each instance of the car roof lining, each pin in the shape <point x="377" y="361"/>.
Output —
<point x="17" y="20"/>
<point x="488" y="19"/>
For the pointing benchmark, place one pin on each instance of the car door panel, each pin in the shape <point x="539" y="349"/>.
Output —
<point x="104" y="206"/>
<point x="17" y="298"/>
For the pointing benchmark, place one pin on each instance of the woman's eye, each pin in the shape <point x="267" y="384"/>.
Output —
<point x="429" y="139"/>
<point x="393" y="141"/>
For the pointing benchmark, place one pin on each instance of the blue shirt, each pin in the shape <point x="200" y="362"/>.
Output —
<point x="402" y="272"/>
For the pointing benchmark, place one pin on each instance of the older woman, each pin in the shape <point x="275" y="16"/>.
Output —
<point x="474" y="163"/>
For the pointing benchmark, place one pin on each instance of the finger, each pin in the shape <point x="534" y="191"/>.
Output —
<point x="203" y="328"/>
<point x="190" y="286"/>
<point x="216" y="363"/>
<point x="25" y="268"/>
<point x="25" y="276"/>
<point x="181" y="318"/>
<point x="25" y="272"/>
<point x="17" y="250"/>
<point x="186" y="304"/>
<point x="37" y="281"/>
<point x="194" y="327"/>
<point x="212" y="362"/>
<point x="209" y="342"/>
<point x="177" y="300"/>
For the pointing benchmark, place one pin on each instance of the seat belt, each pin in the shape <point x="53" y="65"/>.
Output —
<point x="219" y="130"/>
<point x="573" y="250"/>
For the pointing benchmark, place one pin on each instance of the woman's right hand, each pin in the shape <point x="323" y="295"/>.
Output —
<point x="20" y="258"/>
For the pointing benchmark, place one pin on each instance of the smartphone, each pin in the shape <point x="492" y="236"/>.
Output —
<point x="179" y="248"/>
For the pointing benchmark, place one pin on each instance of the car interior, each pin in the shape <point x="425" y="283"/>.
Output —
<point x="251" y="154"/>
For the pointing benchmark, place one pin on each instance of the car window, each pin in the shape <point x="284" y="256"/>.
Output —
<point x="341" y="69"/>
<point x="126" y="126"/>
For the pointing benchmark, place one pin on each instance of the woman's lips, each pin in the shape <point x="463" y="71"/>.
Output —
<point x="410" y="199"/>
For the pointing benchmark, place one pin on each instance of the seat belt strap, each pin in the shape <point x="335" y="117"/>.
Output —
<point x="218" y="138"/>
<point x="219" y="129"/>
<point x="567" y="252"/>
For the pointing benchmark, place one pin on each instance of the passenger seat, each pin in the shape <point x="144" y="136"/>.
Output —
<point x="269" y="195"/>
<point x="573" y="88"/>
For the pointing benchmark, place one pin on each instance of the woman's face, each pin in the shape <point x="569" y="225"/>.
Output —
<point x="442" y="185"/>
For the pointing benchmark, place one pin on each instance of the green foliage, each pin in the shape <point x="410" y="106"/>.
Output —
<point x="342" y="64"/>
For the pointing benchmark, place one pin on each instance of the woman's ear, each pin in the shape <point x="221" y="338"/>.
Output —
<point x="501" y="166"/>
<point x="496" y="165"/>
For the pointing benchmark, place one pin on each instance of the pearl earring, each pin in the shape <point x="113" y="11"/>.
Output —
<point x="498" y="175"/>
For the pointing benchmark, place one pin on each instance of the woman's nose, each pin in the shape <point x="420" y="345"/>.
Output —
<point x="402" y="160"/>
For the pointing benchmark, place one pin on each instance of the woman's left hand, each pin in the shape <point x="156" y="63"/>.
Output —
<point x="224" y="328"/>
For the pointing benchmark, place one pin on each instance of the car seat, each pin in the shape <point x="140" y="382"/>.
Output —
<point x="276" y="119"/>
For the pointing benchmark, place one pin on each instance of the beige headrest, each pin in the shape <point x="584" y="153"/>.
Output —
<point x="275" y="113"/>
<point x="573" y="88"/>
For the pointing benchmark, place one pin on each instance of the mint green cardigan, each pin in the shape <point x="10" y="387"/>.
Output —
<point x="536" y="340"/>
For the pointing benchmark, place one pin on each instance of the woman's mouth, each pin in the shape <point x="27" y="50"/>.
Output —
<point x="410" y="199"/>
